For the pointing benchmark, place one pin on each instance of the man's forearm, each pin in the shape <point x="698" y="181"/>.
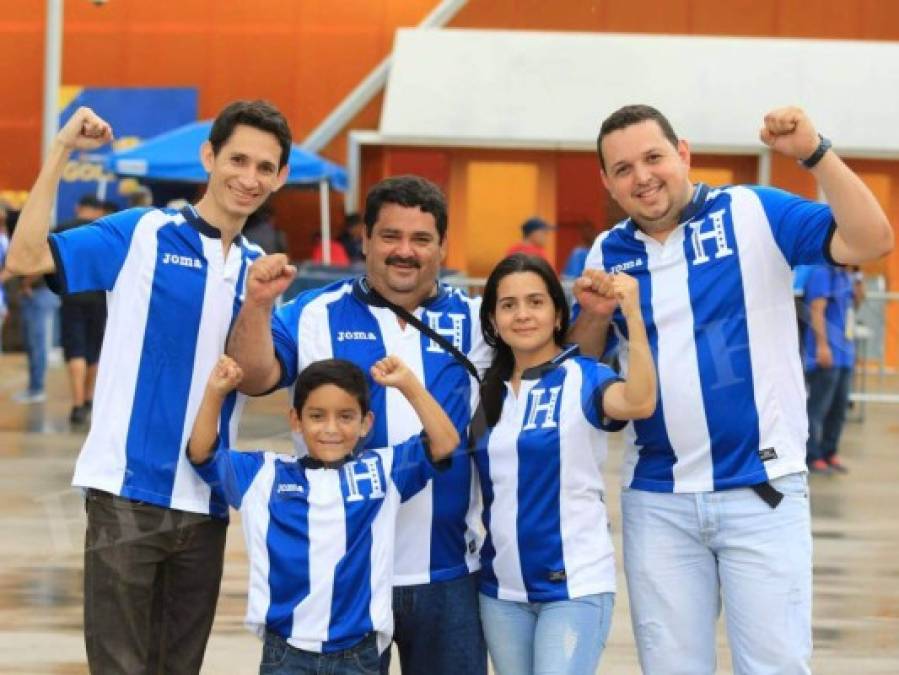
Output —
<point x="250" y="344"/>
<point x="589" y="332"/>
<point x="863" y="231"/>
<point x="29" y="252"/>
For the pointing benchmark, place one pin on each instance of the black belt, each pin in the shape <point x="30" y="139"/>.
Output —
<point x="768" y="494"/>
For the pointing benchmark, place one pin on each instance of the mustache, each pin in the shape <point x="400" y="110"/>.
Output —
<point x="399" y="260"/>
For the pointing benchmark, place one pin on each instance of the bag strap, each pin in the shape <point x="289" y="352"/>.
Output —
<point x="422" y="327"/>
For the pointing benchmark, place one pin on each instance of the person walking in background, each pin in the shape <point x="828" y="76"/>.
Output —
<point x="577" y="259"/>
<point x="547" y="583"/>
<point x="4" y="274"/>
<point x="829" y="359"/>
<point x="351" y="237"/>
<point x="38" y="306"/>
<point x="534" y="235"/>
<point x="82" y="322"/>
<point x="261" y="230"/>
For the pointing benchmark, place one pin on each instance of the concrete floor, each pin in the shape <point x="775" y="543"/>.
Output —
<point x="856" y="528"/>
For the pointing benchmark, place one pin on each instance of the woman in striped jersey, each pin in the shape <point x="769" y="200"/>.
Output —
<point x="547" y="566"/>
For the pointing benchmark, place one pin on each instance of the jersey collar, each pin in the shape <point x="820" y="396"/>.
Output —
<point x="310" y="462"/>
<point x="695" y="205"/>
<point x="362" y="291"/>
<point x="195" y="220"/>
<point x="536" y="372"/>
<point x="688" y="213"/>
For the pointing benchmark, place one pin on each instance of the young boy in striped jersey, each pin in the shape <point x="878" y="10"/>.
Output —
<point x="320" y="529"/>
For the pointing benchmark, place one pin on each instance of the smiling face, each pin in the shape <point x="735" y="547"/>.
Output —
<point x="647" y="175"/>
<point x="525" y="317"/>
<point x="331" y="422"/>
<point x="403" y="254"/>
<point x="242" y="174"/>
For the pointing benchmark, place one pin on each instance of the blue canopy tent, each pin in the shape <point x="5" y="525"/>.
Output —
<point x="175" y="156"/>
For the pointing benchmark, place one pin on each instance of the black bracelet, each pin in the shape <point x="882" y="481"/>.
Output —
<point x="823" y="146"/>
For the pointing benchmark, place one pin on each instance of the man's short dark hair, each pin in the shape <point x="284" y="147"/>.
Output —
<point x="260" y="115"/>
<point x="628" y="116"/>
<point x="406" y="191"/>
<point x="339" y="372"/>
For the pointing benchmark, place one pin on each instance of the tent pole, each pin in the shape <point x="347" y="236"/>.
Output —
<point x="324" y="205"/>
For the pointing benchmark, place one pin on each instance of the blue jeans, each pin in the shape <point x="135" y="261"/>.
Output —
<point x="828" y="398"/>
<point x="280" y="658"/>
<point x="37" y="327"/>
<point x="685" y="553"/>
<point x="438" y="628"/>
<point x="565" y="637"/>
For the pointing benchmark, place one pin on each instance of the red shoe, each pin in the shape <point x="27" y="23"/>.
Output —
<point x="819" y="466"/>
<point x="836" y="465"/>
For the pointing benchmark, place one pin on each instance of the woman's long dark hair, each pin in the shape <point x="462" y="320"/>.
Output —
<point x="503" y="363"/>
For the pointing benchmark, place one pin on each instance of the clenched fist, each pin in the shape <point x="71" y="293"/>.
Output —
<point x="790" y="132"/>
<point x="268" y="278"/>
<point x="594" y="292"/>
<point x="225" y="376"/>
<point x="85" y="130"/>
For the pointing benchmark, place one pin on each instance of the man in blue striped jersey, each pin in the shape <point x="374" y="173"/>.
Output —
<point x="715" y="498"/>
<point x="155" y="531"/>
<point x="435" y="597"/>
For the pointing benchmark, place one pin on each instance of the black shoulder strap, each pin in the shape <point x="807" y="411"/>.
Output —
<point x="422" y="327"/>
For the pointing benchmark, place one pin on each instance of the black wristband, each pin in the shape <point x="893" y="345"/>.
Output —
<point x="823" y="146"/>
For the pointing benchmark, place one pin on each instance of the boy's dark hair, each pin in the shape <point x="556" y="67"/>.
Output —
<point x="260" y="115"/>
<point x="628" y="116"/>
<point x="339" y="372"/>
<point x="407" y="191"/>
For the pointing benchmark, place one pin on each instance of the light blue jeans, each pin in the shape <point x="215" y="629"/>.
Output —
<point x="686" y="553"/>
<point x="38" y="311"/>
<point x="565" y="637"/>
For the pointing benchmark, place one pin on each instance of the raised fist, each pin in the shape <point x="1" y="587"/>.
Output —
<point x="85" y="130"/>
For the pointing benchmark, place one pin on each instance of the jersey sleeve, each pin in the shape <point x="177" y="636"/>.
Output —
<point x="412" y="466"/>
<point x="802" y="228"/>
<point x="818" y="284"/>
<point x="90" y="257"/>
<point x="285" y="329"/>
<point x="232" y="472"/>
<point x="480" y="354"/>
<point x="597" y="378"/>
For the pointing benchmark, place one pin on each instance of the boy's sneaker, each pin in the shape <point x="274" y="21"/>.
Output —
<point x="819" y="466"/>
<point x="836" y="465"/>
<point x="30" y="397"/>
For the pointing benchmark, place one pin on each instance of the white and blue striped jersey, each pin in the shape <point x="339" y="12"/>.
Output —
<point x="320" y="540"/>
<point x="718" y="305"/>
<point x="172" y="295"/>
<point x="437" y="533"/>
<point x="540" y="470"/>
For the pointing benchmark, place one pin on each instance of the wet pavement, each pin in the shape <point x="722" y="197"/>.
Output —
<point x="855" y="523"/>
